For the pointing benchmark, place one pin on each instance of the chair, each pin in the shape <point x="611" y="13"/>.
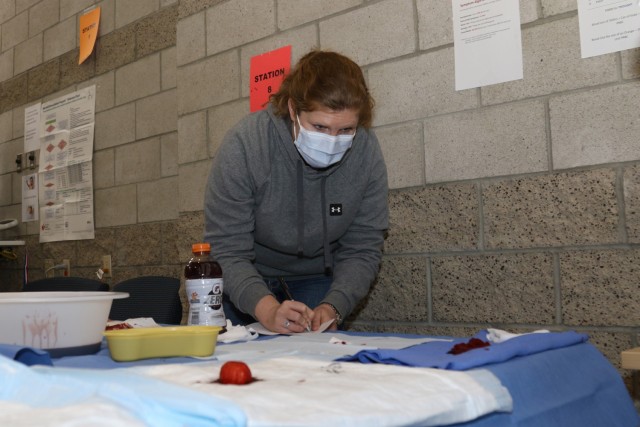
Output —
<point x="149" y="296"/>
<point x="65" y="284"/>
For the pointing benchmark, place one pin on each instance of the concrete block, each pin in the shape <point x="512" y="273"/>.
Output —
<point x="600" y="288"/>
<point x="6" y="189"/>
<point x="157" y="200"/>
<point x="156" y="32"/>
<point x="221" y="120"/>
<point x="433" y="218"/>
<point x="138" y="79"/>
<point x="114" y="127"/>
<point x="399" y="293"/>
<point x="631" y="185"/>
<point x="189" y="7"/>
<point x="133" y="248"/>
<point x="552" y="63"/>
<point x="596" y="126"/>
<point x="43" y="15"/>
<point x="115" y="50"/>
<point x="105" y="93"/>
<point x="72" y="73"/>
<point x="435" y="23"/>
<point x="72" y="7"/>
<point x="7" y="11"/>
<point x="22" y="5"/>
<point x="373" y="33"/>
<point x="138" y="161"/>
<point x="507" y="288"/>
<point x="192" y="181"/>
<point x="18" y="121"/>
<point x="156" y="114"/>
<point x="44" y="79"/>
<point x="417" y="87"/>
<point x="15" y="30"/>
<point x="130" y="11"/>
<point x="564" y="209"/>
<point x="220" y="77"/>
<point x="191" y="39"/>
<point x="60" y="38"/>
<point x="232" y="24"/>
<point x="90" y="251"/>
<point x="115" y="206"/>
<point x="505" y="140"/>
<point x="13" y="92"/>
<point x="107" y="17"/>
<point x="169" y="154"/>
<point x="168" y="68"/>
<point x="630" y="63"/>
<point x="556" y="7"/>
<point x="292" y="13"/>
<point x="6" y="65"/>
<point x="6" y="126"/>
<point x="104" y="169"/>
<point x="301" y="40"/>
<point x="192" y="137"/>
<point x="403" y="150"/>
<point x="28" y="54"/>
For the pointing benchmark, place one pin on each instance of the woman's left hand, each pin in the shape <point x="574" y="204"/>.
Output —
<point x="323" y="313"/>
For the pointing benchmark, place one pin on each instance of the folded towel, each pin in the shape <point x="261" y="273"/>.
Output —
<point x="155" y="402"/>
<point x="27" y="355"/>
<point x="498" y="335"/>
<point x="237" y="333"/>
<point x="434" y="354"/>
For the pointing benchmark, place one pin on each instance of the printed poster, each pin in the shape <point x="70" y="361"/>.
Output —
<point x="65" y="180"/>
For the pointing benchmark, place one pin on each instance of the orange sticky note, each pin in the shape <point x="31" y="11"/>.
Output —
<point x="89" y="23"/>
<point x="266" y="73"/>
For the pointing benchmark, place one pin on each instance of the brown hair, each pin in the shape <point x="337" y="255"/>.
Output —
<point x="323" y="78"/>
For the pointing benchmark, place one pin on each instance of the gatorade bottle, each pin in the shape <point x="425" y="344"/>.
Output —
<point x="204" y="286"/>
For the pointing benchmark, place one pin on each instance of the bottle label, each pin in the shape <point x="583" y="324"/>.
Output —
<point x="205" y="302"/>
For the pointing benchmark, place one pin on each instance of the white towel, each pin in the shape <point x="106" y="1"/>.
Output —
<point x="498" y="335"/>
<point x="237" y="333"/>
<point x="293" y="391"/>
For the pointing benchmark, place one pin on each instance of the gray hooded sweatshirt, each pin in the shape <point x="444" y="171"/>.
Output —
<point x="268" y="214"/>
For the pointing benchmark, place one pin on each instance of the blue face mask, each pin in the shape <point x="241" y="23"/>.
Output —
<point x="320" y="150"/>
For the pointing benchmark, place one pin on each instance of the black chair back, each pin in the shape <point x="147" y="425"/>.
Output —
<point x="149" y="296"/>
<point x="51" y="284"/>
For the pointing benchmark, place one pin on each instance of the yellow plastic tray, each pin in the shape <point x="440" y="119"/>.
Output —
<point x="169" y="341"/>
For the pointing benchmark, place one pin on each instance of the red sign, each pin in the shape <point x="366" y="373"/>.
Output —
<point x="266" y="73"/>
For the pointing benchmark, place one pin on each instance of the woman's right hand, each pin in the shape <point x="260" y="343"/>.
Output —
<point x="285" y="318"/>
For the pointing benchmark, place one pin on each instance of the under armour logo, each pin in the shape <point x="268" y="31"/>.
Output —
<point x="335" y="209"/>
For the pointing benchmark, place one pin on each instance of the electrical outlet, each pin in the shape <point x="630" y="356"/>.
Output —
<point x="67" y="268"/>
<point x="48" y="268"/>
<point x="106" y="265"/>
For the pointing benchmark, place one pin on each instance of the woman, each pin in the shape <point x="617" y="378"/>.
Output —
<point x="296" y="202"/>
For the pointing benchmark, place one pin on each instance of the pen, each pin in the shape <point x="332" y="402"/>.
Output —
<point x="285" y="287"/>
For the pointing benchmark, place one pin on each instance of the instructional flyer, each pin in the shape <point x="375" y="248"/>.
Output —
<point x="65" y="193"/>
<point x="487" y="42"/>
<point x="608" y="26"/>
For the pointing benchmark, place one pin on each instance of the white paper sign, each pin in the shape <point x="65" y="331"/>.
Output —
<point x="608" y="26"/>
<point x="487" y="42"/>
<point x="31" y="128"/>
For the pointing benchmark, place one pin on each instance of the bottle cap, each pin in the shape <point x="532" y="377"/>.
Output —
<point x="201" y="247"/>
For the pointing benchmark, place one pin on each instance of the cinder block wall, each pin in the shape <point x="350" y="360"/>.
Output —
<point x="515" y="205"/>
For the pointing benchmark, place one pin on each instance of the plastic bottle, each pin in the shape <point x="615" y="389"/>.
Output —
<point x="204" y="286"/>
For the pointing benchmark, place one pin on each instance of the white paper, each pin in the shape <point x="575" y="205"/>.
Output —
<point x="608" y="26"/>
<point x="487" y="42"/>
<point x="66" y="203"/>
<point x="66" y="131"/>
<point x="257" y="327"/>
<point x="31" y="127"/>
<point x="30" y="198"/>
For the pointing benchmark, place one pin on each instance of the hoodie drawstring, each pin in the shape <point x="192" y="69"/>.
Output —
<point x="300" y="196"/>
